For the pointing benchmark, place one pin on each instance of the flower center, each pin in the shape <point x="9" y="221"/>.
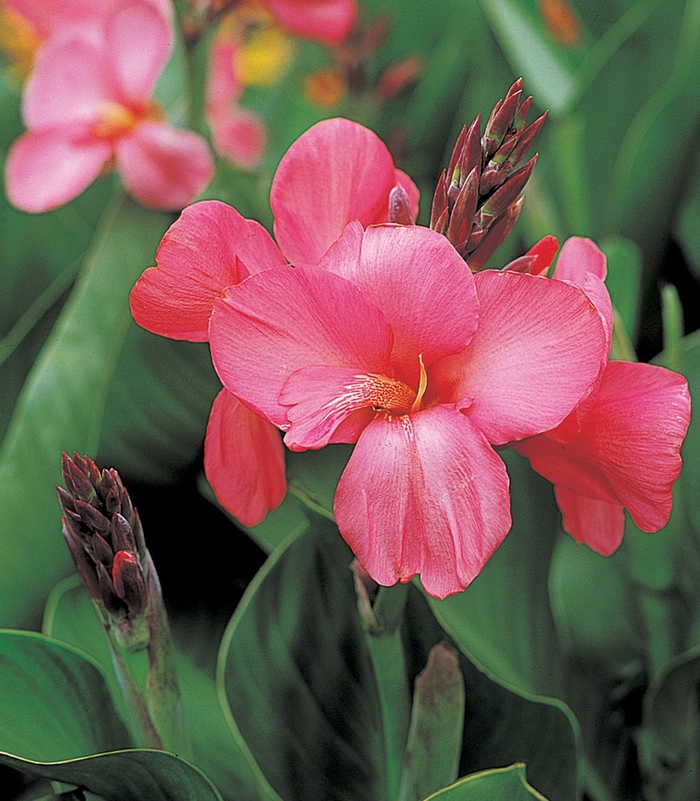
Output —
<point x="395" y="397"/>
<point x="115" y="121"/>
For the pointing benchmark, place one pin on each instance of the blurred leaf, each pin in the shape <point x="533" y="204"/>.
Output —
<point x="70" y="617"/>
<point x="532" y="54"/>
<point x="126" y="776"/>
<point x="670" y="736"/>
<point x="501" y="725"/>
<point x="54" y="702"/>
<point x="502" y="620"/>
<point x="61" y="407"/>
<point x="503" y="784"/>
<point x="297" y="675"/>
<point x="624" y="279"/>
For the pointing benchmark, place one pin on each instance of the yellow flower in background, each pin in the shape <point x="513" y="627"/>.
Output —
<point x="18" y="42"/>
<point x="265" y="51"/>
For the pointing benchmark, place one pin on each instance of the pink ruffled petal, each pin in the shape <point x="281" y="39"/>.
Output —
<point x="539" y="347"/>
<point x="567" y="466"/>
<point x="320" y="399"/>
<point x="598" y="524"/>
<point x="423" y="494"/>
<point x="209" y="248"/>
<point x="45" y="170"/>
<point x="69" y="83"/>
<point x="243" y="460"/>
<point x="634" y="433"/>
<point x="238" y="135"/>
<point x="282" y="320"/>
<point x="337" y="172"/>
<point x="418" y="281"/>
<point x="139" y="41"/>
<point x="578" y="257"/>
<point x="325" y="21"/>
<point x="164" y="167"/>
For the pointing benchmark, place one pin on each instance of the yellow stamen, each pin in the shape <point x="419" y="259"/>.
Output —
<point x="18" y="42"/>
<point x="115" y="121"/>
<point x="422" y="385"/>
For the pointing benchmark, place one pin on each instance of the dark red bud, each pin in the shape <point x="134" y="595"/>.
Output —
<point x="495" y="237"/>
<point x="91" y="517"/>
<point x="440" y="202"/>
<point x="129" y="581"/>
<point x="400" y="206"/>
<point x="462" y="216"/>
<point x="122" y="535"/>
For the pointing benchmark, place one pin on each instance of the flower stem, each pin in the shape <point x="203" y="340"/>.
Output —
<point x="162" y="688"/>
<point x="388" y="659"/>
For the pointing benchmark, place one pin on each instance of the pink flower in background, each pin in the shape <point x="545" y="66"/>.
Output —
<point x="325" y="21"/>
<point x="211" y="247"/>
<point x="620" y="449"/>
<point x="88" y="104"/>
<point x="390" y="343"/>
<point x="238" y="134"/>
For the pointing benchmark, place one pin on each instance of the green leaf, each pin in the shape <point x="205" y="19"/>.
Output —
<point x="504" y="784"/>
<point x="70" y="617"/>
<point x="502" y="725"/>
<point x="624" y="279"/>
<point x="297" y="676"/>
<point x="61" y="407"/>
<point x="531" y="54"/>
<point x="670" y="735"/>
<point x="126" y="776"/>
<point x="54" y="702"/>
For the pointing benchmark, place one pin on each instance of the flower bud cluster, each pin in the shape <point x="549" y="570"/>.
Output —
<point x="104" y="534"/>
<point x="479" y="197"/>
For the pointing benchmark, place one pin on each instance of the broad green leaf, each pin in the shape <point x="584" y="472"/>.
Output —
<point x="531" y="54"/>
<point x="70" y="617"/>
<point x="624" y="279"/>
<point x="503" y="620"/>
<point x="157" y="408"/>
<point x="670" y="734"/>
<point x="133" y="775"/>
<point x="504" y="784"/>
<point x="501" y="725"/>
<point x="54" y="702"/>
<point x="61" y="407"/>
<point x="297" y="676"/>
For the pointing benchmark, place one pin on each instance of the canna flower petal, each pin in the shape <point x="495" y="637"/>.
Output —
<point x="238" y="135"/>
<point x="539" y="347"/>
<point x="423" y="494"/>
<point x="210" y="247"/>
<point x="325" y="21"/>
<point x="282" y="320"/>
<point x="139" y="41"/>
<point x="337" y="172"/>
<point x="243" y="460"/>
<point x="631" y="436"/>
<point x="164" y="167"/>
<point x="46" y="169"/>
<point x="599" y="524"/>
<point x="581" y="262"/>
<point x="69" y="84"/>
<point x="438" y="316"/>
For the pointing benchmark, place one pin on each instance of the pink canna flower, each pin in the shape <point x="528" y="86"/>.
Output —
<point x="325" y="21"/>
<point x="212" y="247"/>
<point x="391" y="344"/>
<point x="620" y="449"/>
<point x="88" y="104"/>
<point x="238" y="134"/>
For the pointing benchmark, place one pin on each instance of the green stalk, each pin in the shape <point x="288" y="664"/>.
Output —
<point x="163" y="696"/>
<point x="387" y="654"/>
